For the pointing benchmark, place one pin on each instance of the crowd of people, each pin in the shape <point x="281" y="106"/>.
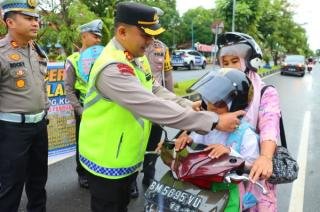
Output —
<point x="114" y="103"/>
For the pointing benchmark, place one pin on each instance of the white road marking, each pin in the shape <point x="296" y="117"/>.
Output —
<point x="297" y="193"/>
<point x="270" y="75"/>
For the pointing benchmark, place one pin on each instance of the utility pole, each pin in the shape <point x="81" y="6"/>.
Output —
<point x="233" y="14"/>
<point x="192" y="38"/>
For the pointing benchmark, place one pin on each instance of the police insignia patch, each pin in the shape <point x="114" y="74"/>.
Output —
<point x="123" y="68"/>
<point x="14" y="44"/>
<point x="20" y="83"/>
<point x="128" y="55"/>
<point x="15" y="57"/>
<point x="32" y="3"/>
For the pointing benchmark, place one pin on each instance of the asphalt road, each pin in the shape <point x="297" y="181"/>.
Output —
<point x="300" y="104"/>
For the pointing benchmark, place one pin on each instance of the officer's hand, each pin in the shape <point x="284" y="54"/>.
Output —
<point x="228" y="122"/>
<point x="196" y="106"/>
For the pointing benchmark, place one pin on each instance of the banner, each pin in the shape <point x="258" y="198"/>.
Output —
<point x="61" y="128"/>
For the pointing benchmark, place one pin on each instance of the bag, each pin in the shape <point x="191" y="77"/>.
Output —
<point x="285" y="167"/>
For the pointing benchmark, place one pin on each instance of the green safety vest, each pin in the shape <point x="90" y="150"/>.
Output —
<point x="80" y="84"/>
<point x="112" y="140"/>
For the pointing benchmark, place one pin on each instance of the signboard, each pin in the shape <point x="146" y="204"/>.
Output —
<point x="217" y="27"/>
<point x="61" y="128"/>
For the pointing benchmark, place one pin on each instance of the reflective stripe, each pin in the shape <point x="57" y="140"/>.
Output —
<point x="91" y="90"/>
<point x="139" y="120"/>
<point x="115" y="172"/>
<point x="93" y="101"/>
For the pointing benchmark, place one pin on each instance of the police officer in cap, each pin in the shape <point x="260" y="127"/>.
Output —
<point x="23" y="106"/>
<point x="120" y="105"/>
<point x="76" y="82"/>
<point x="159" y="59"/>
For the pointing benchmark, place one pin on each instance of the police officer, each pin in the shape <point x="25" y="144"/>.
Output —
<point x="23" y="106"/>
<point x="159" y="59"/>
<point x="121" y="102"/>
<point x="76" y="82"/>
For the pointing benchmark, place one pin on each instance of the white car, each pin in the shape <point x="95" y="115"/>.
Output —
<point x="187" y="58"/>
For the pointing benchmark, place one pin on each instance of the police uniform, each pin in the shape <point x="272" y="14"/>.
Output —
<point x="159" y="59"/>
<point x="76" y="86"/>
<point x="23" y="127"/>
<point x="122" y="96"/>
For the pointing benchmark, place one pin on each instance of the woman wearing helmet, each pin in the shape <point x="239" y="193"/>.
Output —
<point x="228" y="90"/>
<point x="239" y="50"/>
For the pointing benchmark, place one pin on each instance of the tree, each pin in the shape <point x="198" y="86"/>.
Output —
<point x="200" y="20"/>
<point x="60" y="24"/>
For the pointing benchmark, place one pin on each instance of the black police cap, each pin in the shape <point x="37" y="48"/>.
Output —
<point x="139" y="15"/>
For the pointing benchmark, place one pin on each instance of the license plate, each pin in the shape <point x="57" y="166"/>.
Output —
<point x="292" y="69"/>
<point x="171" y="199"/>
<point x="177" y="61"/>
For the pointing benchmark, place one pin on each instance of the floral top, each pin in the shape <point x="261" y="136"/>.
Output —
<point x="264" y="112"/>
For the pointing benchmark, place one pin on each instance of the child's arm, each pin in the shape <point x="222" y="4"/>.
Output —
<point x="250" y="147"/>
<point x="217" y="150"/>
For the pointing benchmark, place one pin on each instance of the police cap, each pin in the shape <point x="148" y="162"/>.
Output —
<point x="94" y="27"/>
<point x="139" y="15"/>
<point x="26" y="7"/>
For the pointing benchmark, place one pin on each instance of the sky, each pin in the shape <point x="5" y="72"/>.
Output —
<point x="307" y="14"/>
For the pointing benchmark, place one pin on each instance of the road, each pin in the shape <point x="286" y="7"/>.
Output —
<point x="299" y="102"/>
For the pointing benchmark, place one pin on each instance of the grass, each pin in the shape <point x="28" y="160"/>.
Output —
<point x="181" y="87"/>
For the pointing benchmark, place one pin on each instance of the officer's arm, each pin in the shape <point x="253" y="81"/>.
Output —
<point x="122" y="86"/>
<point x="70" y="79"/>
<point x="162" y="92"/>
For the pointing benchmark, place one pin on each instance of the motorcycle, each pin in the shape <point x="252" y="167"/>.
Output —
<point x="309" y="67"/>
<point x="186" y="185"/>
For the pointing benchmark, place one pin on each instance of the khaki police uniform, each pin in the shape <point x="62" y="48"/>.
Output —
<point x="117" y="84"/>
<point x="157" y="54"/>
<point x="73" y="93"/>
<point x="23" y="127"/>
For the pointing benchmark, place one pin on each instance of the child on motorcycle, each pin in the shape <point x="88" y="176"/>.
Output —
<point x="227" y="91"/>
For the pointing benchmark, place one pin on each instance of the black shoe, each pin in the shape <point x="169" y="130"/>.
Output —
<point x="146" y="182"/>
<point x="83" y="181"/>
<point x="134" y="192"/>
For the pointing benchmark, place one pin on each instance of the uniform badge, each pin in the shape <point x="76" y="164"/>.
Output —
<point x="20" y="83"/>
<point x="20" y="73"/>
<point x="32" y="3"/>
<point x="15" y="57"/>
<point x="125" y="69"/>
<point x="14" y="44"/>
<point x="128" y="55"/>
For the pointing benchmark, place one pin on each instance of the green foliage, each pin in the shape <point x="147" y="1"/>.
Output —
<point x="200" y="20"/>
<point x="267" y="21"/>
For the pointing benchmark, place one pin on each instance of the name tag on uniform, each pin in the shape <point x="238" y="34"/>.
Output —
<point x="15" y="65"/>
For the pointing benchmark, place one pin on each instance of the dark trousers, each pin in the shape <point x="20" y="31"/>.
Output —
<point x="23" y="161"/>
<point x="108" y="195"/>
<point x="150" y="159"/>
<point x="79" y="168"/>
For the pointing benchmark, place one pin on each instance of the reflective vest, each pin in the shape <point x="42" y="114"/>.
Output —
<point x="80" y="84"/>
<point x="112" y="140"/>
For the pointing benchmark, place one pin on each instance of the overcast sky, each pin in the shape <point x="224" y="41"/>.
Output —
<point x="307" y="14"/>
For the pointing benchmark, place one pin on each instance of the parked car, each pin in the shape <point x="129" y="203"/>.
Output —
<point x="294" y="65"/>
<point x="187" y="58"/>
